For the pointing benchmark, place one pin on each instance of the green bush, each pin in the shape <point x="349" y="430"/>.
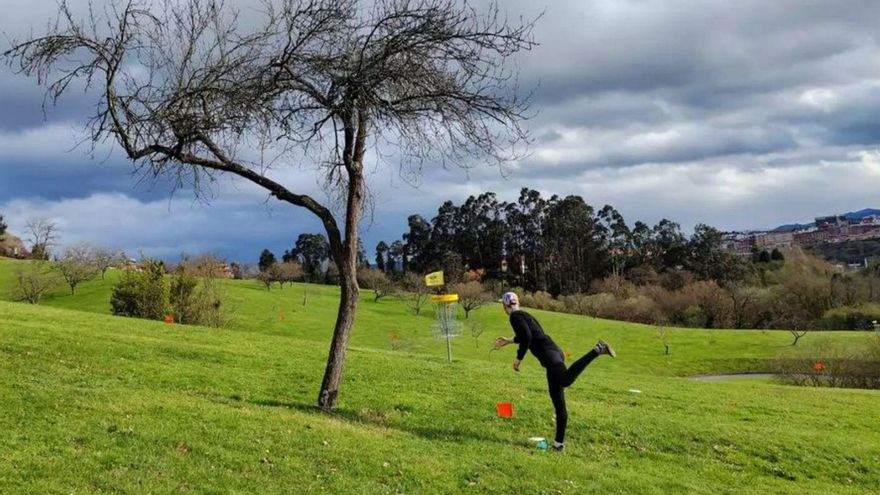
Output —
<point x="182" y="295"/>
<point x="196" y="297"/>
<point x="142" y="294"/>
<point x="639" y="309"/>
<point x="693" y="317"/>
<point x="861" y="317"/>
<point x="541" y="300"/>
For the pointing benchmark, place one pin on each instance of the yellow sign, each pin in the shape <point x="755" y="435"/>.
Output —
<point x="434" y="279"/>
<point x="447" y="298"/>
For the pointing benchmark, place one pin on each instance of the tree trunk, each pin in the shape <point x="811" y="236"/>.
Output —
<point x="344" y="252"/>
<point x="344" y="319"/>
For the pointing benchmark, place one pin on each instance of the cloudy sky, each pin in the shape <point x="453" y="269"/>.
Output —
<point x="742" y="114"/>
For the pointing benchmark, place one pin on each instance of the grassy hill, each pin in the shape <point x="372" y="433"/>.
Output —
<point x="95" y="404"/>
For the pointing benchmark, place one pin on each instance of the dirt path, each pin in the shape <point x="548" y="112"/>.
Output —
<point x="732" y="376"/>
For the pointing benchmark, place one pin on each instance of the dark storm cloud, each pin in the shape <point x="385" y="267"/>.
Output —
<point x="733" y="113"/>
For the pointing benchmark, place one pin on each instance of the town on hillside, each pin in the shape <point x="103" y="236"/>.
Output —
<point x="833" y="229"/>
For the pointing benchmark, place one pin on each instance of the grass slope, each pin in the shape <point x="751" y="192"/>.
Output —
<point x="98" y="404"/>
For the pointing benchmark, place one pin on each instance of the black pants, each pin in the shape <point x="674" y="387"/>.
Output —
<point x="557" y="379"/>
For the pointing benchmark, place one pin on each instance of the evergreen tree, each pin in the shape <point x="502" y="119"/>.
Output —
<point x="312" y="250"/>
<point x="382" y="256"/>
<point x="267" y="259"/>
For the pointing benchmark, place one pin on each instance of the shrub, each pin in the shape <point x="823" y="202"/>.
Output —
<point x="619" y="286"/>
<point x="541" y="300"/>
<point x="639" y="309"/>
<point x="693" y="317"/>
<point x="142" y="294"/>
<point x="182" y="295"/>
<point x="578" y="304"/>
<point x="644" y="275"/>
<point x="834" y="368"/>
<point x="714" y="302"/>
<point x="859" y="317"/>
<point x="676" y="279"/>
<point x="195" y="294"/>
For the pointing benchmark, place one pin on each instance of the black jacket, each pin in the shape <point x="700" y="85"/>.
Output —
<point x="531" y="337"/>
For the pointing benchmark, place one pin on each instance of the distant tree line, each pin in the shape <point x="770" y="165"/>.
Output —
<point x="559" y="245"/>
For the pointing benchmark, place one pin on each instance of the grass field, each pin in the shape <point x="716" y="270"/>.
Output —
<point x="99" y="404"/>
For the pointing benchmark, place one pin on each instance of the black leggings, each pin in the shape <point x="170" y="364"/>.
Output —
<point x="557" y="379"/>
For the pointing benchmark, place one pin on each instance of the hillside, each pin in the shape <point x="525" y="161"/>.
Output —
<point x="281" y="312"/>
<point x="852" y="215"/>
<point x="95" y="403"/>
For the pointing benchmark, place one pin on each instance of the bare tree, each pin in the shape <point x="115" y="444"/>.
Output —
<point x="375" y="280"/>
<point x="105" y="258"/>
<point x="663" y="335"/>
<point x="270" y="275"/>
<point x="476" y="330"/>
<point x="471" y="295"/>
<point x="797" y="334"/>
<point x="43" y="235"/>
<point x="416" y="293"/>
<point x="77" y="266"/>
<point x="189" y="92"/>
<point x="289" y="272"/>
<point x="32" y="282"/>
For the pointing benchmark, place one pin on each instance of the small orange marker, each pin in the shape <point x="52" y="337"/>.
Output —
<point x="281" y="316"/>
<point x="505" y="409"/>
<point x="818" y="366"/>
<point x="568" y="356"/>
<point x="169" y="319"/>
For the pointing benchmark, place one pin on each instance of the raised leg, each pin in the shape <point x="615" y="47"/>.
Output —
<point x="576" y="368"/>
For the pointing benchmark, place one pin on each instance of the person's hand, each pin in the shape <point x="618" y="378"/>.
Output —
<point x="501" y="342"/>
<point x="516" y="364"/>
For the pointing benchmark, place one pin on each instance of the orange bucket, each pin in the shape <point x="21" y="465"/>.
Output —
<point x="505" y="409"/>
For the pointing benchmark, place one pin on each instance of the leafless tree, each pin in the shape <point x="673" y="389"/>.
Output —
<point x="415" y="292"/>
<point x="476" y="330"/>
<point x="33" y="281"/>
<point x="471" y="295"/>
<point x="270" y="275"/>
<point x="43" y="235"/>
<point x="289" y="272"/>
<point x="77" y="266"/>
<point x="191" y="93"/>
<point x="105" y="258"/>
<point x="375" y="280"/>
<point x="663" y="335"/>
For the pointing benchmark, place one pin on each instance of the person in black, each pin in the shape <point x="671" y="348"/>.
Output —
<point x="531" y="337"/>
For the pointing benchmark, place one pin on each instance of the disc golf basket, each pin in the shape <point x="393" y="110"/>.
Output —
<point x="447" y="325"/>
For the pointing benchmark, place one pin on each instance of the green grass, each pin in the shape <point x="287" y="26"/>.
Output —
<point x="98" y="404"/>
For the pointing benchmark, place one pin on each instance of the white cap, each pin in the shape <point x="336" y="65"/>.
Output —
<point x="509" y="299"/>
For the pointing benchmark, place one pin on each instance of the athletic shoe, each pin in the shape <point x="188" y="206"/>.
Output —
<point x="557" y="447"/>
<point x="602" y="347"/>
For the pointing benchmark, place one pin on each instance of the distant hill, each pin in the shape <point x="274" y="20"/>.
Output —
<point x="858" y="215"/>
<point x="854" y="215"/>
<point x="791" y="227"/>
